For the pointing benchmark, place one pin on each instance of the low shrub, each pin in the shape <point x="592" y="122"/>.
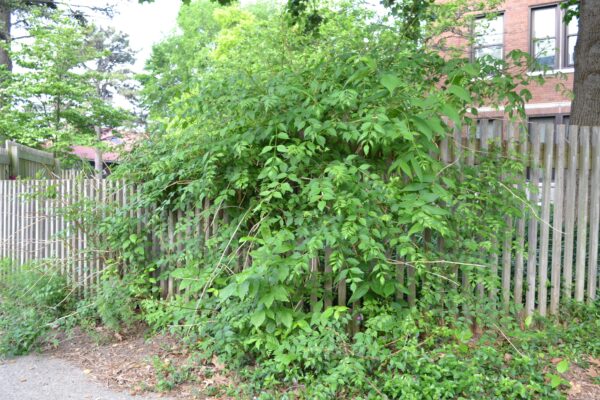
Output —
<point x="395" y="352"/>
<point x="114" y="305"/>
<point x="31" y="298"/>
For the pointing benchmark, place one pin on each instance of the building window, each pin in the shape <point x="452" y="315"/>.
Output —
<point x="570" y="40"/>
<point x="553" y="41"/>
<point x="489" y="37"/>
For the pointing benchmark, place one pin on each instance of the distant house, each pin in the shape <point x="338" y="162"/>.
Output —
<point x="536" y="27"/>
<point x="118" y="143"/>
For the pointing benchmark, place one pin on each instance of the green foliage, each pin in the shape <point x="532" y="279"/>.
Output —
<point x="169" y="375"/>
<point x="31" y="299"/>
<point x="53" y="97"/>
<point x="571" y="8"/>
<point x="114" y="304"/>
<point x="404" y="353"/>
<point x="304" y="153"/>
<point x="301" y="143"/>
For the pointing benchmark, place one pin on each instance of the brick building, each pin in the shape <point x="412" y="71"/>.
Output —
<point x="537" y="27"/>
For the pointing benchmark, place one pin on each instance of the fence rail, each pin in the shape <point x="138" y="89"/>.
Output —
<point x="549" y="255"/>
<point x="25" y="162"/>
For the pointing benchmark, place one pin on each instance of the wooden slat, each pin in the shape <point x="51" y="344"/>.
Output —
<point x="533" y="220"/>
<point x="483" y="131"/>
<point x="470" y="162"/>
<point x="328" y="286"/>
<point x="557" y="220"/>
<point x="4" y="158"/>
<point x="494" y="135"/>
<point x="508" y="234"/>
<point x="457" y="147"/>
<point x="594" y="215"/>
<point x="570" y="206"/>
<point x="545" y="224"/>
<point x="582" y="213"/>
<point x="523" y="141"/>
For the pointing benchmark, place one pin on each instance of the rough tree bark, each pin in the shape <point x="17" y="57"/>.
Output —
<point x="586" y="104"/>
<point x="5" y="24"/>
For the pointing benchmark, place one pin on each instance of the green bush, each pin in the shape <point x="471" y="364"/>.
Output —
<point x="31" y="299"/>
<point x="398" y="353"/>
<point x="327" y="140"/>
<point x="110" y="305"/>
<point x="114" y="304"/>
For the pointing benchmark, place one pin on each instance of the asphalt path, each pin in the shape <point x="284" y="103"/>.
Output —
<point x="36" y="377"/>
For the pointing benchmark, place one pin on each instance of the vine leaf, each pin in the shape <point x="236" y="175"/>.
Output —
<point x="390" y="82"/>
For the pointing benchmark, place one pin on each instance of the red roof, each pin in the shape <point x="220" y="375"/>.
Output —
<point x="119" y="141"/>
<point x="89" y="153"/>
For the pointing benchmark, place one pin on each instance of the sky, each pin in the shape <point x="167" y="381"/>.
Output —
<point x="146" y="24"/>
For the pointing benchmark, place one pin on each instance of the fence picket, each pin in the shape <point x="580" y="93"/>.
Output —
<point x="533" y="219"/>
<point x="507" y="243"/>
<point x="594" y="215"/>
<point x="557" y="220"/>
<point x="548" y="134"/>
<point x="582" y="213"/>
<point x="570" y="207"/>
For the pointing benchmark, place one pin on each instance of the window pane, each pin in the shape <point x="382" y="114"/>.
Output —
<point x="489" y="31"/>
<point x="573" y="26"/>
<point x="571" y="41"/>
<point x="545" y="51"/>
<point x="489" y="37"/>
<point x="492" y="51"/>
<point x="544" y="22"/>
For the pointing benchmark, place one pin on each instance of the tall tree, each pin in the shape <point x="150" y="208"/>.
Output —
<point x="8" y="9"/>
<point x="5" y="25"/>
<point x="54" y="97"/>
<point x="109" y="73"/>
<point x="585" y="109"/>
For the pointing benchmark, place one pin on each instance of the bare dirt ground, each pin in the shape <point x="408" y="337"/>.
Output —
<point x="585" y="383"/>
<point x="137" y="365"/>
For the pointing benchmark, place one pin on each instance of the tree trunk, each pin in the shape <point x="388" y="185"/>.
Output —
<point x="98" y="163"/>
<point x="586" y="105"/>
<point x="5" y="24"/>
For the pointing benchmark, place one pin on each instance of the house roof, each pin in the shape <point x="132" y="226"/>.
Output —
<point x="118" y="142"/>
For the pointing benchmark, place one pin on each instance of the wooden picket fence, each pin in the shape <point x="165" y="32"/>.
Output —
<point x="549" y="255"/>
<point x="18" y="161"/>
<point x="37" y="224"/>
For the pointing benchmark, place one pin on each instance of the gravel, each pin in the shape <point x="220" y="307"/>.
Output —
<point x="47" y="378"/>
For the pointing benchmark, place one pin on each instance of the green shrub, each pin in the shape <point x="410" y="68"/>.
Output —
<point x="114" y="304"/>
<point x="398" y="353"/>
<point x="327" y="141"/>
<point x="110" y="305"/>
<point x="31" y="299"/>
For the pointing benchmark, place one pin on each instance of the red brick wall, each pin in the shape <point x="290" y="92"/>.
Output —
<point x="517" y="36"/>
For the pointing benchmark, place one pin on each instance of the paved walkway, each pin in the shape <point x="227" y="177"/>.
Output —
<point x="47" y="378"/>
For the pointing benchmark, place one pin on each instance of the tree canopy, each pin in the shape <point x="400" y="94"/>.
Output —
<point x="61" y="90"/>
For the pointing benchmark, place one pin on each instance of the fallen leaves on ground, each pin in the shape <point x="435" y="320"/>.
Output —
<point x="584" y="385"/>
<point x="126" y="364"/>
